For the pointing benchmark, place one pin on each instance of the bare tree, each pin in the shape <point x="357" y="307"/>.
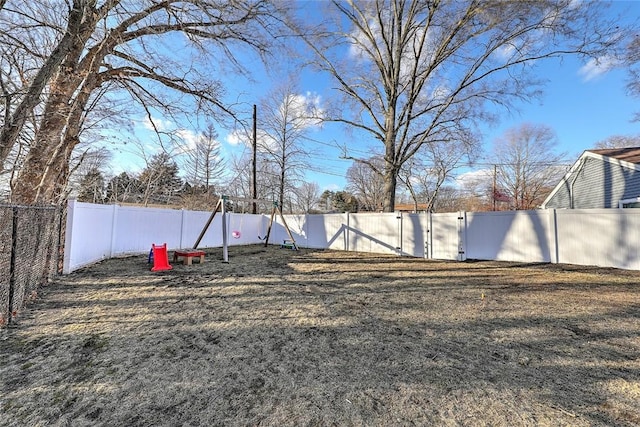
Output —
<point x="91" y="161"/>
<point x="632" y="62"/>
<point x="447" y="200"/>
<point x="619" y="141"/>
<point x="421" y="72"/>
<point x="202" y="162"/>
<point x="307" y="196"/>
<point x="527" y="165"/>
<point x="117" y="47"/>
<point x="28" y="26"/>
<point x="123" y="188"/>
<point x="366" y="182"/>
<point x="159" y="181"/>
<point x="91" y="187"/>
<point x="240" y="183"/>
<point x="285" y="118"/>
<point x="429" y="169"/>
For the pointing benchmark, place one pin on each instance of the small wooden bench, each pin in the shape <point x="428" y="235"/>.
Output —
<point x="188" y="255"/>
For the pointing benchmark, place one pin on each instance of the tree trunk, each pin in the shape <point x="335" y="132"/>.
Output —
<point x="43" y="177"/>
<point x="389" y="195"/>
<point x="391" y="166"/>
<point x="14" y="123"/>
<point x="281" y="190"/>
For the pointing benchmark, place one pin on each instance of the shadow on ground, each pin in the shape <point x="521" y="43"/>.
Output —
<point x="279" y="337"/>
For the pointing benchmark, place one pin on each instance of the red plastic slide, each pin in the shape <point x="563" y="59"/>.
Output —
<point x="160" y="258"/>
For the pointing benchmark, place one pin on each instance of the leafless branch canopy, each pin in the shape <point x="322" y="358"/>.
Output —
<point x="168" y="56"/>
<point x="417" y="72"/>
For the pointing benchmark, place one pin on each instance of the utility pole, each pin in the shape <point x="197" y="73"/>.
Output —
<point x="254" y="184"/>
<point x="495" y="174"/>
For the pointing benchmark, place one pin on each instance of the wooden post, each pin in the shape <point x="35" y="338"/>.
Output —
<point x="286" y="227"/>
<point x="206" y="226"/>
<point x="254" y="183"/>
<point x="225" y="238"/>
<point x="273" y="214"/>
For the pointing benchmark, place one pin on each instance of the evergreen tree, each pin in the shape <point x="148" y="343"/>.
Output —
<point x="123" y="189"/>
<point x="92" y="187"/>
<point x="159" y="181"/>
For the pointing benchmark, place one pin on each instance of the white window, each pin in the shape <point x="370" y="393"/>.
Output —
<point x="629" y="203"/>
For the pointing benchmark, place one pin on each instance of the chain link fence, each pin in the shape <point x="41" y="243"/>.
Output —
<point x="29" y="254"/>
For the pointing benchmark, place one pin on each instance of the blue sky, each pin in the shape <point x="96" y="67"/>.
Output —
<point x="581" y="109"/>
<point x="582" y="104"/>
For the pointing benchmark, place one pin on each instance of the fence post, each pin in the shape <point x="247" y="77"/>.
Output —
<point x="399" y="217"/>
<point x="182" y="228"/>
<point x="12" y="263"/>
<point x="68" y="237"/>
<point x="426" y="235"/>
<point x="346" y="234"/>
<point x="462" y="236"/>
<point x="114" y="224"/>
<point x="555" y="237"/>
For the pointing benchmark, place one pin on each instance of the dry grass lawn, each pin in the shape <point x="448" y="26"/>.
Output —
<point x="322" y="338"/>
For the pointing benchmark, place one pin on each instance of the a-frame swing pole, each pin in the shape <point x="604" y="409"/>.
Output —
<point x="225" y="238"/>
<point x="286" y="227"/>
<point x="273" y="214"/>
<point x="276" y="209"/>
<point x="206" y="226"/>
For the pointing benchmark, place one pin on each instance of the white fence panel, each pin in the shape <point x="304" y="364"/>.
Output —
<point x="192" y="225"/>
<point x="376" y="233"/>
<point x="243" y="229"/>
<point x="603" y="237"/>
<point x="326" y="231"/>
<point x="136" y="229"/>
<point x="297" y="226"/>
<point x="88" y="234"/>
<point x="414" y="228"/>
<point x="444" y="238"/>
<point x="509" y="236"/>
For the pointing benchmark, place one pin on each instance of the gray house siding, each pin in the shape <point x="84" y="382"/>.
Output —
<point x="596" y="184"/>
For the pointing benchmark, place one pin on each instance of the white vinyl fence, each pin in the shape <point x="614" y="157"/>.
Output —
<point x="603" y="237"/>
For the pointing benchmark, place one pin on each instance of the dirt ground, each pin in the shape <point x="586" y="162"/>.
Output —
<point x="321" y="338"/>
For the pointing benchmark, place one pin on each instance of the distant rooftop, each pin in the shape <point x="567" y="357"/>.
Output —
<point x="631" y="155"/>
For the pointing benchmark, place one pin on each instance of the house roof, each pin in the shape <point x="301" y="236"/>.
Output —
<point x="631" y="155"/>
<point x="625" y="157"/>
<point x="410" y="207"/>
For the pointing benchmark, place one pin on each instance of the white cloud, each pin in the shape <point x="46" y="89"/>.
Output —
<point x="332" y="186"/>
<point x="160" y="124"/>
<point x="505" y="52"/>
<point x="474" y="178"/>
<point x="189" y="137"/>
<point x="304" y="110"/>
<point x="361" y="43"/>
<point x="237" y="138"/>
<point x="597" y="67"/>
